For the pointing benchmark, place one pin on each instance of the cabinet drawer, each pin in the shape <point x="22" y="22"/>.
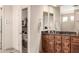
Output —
<point x="74" y="39"/>
<point x="75" y="47"/>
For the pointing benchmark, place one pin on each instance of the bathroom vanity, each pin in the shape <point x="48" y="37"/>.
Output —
<point x="60" y="42"/>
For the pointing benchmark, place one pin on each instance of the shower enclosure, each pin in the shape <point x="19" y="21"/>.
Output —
<point x="0" y="29"/>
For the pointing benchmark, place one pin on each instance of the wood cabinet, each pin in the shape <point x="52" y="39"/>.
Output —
<point x="60" y="43"/>
<point x="65" y="44"/>
<point x="57" y="43"/>
<point x="48" y="43"/>
<point x="75" y="44"/>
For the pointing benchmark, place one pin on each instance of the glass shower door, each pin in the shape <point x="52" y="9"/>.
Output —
<point x="0" y="31"/>
<point x="0" y="34"/>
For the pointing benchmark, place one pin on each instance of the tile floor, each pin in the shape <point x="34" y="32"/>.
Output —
<point x="11" y="50"/>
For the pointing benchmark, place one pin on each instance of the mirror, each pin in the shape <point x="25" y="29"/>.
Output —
<point x="45" y="20"/>
<point x="63" y="18"/>
<point x="76" y="19"/>
<point x="48" y="21"/>
<point x="67" y="18"/>
<point x="51" y="21"/>
<point x="47" y="25"/>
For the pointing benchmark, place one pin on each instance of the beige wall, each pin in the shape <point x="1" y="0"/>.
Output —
<point x="36" y="16"/>
<point x="35" y="35"/>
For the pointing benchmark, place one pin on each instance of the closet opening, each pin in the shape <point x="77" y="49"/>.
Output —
<point x="24" y="30"/>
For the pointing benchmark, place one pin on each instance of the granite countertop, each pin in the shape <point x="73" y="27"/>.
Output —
<point x="60" y="33"/>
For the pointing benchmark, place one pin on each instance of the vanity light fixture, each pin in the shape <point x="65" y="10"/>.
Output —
<point x="65" y="19"/>
<point x="72" y="18"/>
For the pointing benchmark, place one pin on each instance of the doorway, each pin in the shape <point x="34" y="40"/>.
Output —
<point x="24" y="29"/>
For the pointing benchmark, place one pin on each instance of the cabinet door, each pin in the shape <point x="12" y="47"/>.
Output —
<point x="58" y="43"/>
<point x="75" y="44"/>
<point x="48" y="43"/>
<point x="44" y="42"/>
<point x="66" y="44"/>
